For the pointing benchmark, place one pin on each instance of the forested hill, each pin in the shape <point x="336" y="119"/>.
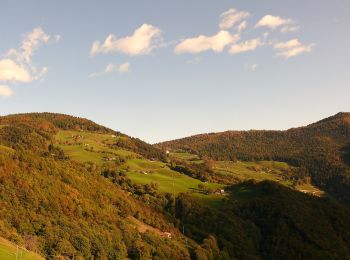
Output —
<point x="35" y="130"/>
<point x="56" y="206"/>
<point x="322" y="148"/>
<point x="72" y="189"/>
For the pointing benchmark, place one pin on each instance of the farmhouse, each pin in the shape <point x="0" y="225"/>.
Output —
<point x="166" y="234"/>
<point x="219" y="191"/>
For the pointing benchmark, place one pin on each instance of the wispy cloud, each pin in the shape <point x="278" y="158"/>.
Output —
<point x="5" y="91"/>
<point x="273" y="22"/>
<point x="195" y="60"/>
<point x="292" y="48"/>
<point x="10" y="71"/>
<point x="249" y="45"/>
<point x="238" y="20"/>
<point x="111" y="68"/>
<point x="142" y="41"/>
<point x="251" y="67"/>
<point x="202" y="43"/>
<point x="16" y="65"/>
<point x="232" y="17"/>
<point x="242" y="26"/>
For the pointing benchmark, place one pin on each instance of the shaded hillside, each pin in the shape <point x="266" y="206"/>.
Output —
<point x="321" y="148"/>
<point x="268" y="221"/>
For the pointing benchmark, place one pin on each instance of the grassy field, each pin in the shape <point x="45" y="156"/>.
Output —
<point x="310" y="189"/>
<point x="144" y="172"/>
<point x="93" y="147"/>
<point x="9" y="251"/>
<point x="87" y="146"/>
<point x="236" y="172"/>
<point x="258" y="171"/>
<point x="193" y="158"/>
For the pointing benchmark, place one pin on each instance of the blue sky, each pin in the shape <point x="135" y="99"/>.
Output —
<point x="160" y="70"/>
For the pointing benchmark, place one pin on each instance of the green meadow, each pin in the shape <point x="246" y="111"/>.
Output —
<point x="85" y="146"/>
<point x="93" y="147"/>
<point x="258" y="171"/>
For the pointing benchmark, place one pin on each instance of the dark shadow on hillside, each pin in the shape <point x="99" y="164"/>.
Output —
<point x="256" y="215"/>
<point x="346" y="154"/>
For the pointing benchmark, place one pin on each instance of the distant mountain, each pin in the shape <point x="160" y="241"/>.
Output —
<point x="322" y="148"/>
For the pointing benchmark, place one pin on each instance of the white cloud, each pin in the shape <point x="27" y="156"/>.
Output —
<point x="10" y="71"/>
<point x="110" y="68"/>
<point x="292" y="48"/>
<point x="32" y="42"/>
<point x="231" y="17"/>
<point x="287" y="45"/>
<point x="243" y="25"/>
<point x="195" y="60"/>
<point x="16" y="66"/>
<point x="142" y="41"/>
<point x="289" y="28"/>
<point x="245" y="46"/>
<point x="201" y="43"/>
<point x="253" y="67"/>
<point x="5" y="91"/>
<point x="273" y="22"/>
<point x="58" y="37"/>
<point x="123" y="68"/>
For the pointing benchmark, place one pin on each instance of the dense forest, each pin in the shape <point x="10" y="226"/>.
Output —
<point x="322" y="149"/>
<point x="60" y="207"/>
<point x="270" y="222"/>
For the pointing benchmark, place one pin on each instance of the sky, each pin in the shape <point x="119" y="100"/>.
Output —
<point x="160" y="70"/>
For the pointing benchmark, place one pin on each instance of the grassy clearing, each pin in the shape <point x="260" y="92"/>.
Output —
<point x="93" y="147"/>
<point x="258" y="171"/>
<point x="310" y="189"/>
<point x="9" y="251"/>
<point x="143" y="171"/>
<point x="86" y="146"/>
<point x="193" y="158"/>
<point x="237" y="172"/>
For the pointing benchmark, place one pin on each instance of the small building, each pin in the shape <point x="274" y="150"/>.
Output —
<point x="220" y="191"/>
<point x="166" y="234"/>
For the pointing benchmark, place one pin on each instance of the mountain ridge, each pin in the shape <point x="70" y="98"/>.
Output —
<point x="322" y="148"/>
